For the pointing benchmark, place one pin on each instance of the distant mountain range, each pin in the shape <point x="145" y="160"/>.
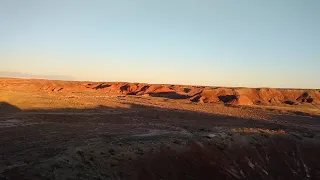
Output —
<point x="36" y="76"/>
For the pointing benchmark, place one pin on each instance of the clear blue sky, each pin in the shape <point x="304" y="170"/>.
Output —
<point x="274" y="43"/>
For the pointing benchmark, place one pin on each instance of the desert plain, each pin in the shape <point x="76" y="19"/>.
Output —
<point x="98" y="130"/>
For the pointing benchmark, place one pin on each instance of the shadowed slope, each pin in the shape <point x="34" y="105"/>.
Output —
<point x="8" y="108"/>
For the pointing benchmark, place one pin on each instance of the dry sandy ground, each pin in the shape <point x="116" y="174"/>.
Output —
<point x="98" y="135"/>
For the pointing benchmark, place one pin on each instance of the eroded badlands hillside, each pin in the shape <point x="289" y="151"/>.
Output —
<point x="203" y="94"/>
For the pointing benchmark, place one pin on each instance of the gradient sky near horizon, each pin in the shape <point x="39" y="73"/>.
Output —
<point x="201" y="42"/>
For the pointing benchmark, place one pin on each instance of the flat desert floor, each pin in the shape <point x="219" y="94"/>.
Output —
<point x="98" y="135"/>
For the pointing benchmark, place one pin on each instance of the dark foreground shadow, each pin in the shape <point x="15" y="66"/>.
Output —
<point x="274" y="158"/>
<point x="8" y="108"/>
<point x="192" y="120"/>
<point x="66" y="144"/>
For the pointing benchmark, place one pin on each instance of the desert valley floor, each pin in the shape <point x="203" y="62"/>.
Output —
<point x="96" y="130"/>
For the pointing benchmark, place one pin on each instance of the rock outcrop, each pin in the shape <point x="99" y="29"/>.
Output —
<point x="201" y="94"/>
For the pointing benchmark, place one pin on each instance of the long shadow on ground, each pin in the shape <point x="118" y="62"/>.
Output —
<point x="143" y="142"/>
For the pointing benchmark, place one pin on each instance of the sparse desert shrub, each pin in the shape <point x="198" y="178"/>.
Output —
<point x="277" y="158"/>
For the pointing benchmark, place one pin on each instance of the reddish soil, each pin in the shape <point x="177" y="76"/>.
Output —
<point x="233" y="96"/>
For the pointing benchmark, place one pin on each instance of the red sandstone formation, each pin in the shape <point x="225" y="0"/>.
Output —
<point x="232" y="96"/>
